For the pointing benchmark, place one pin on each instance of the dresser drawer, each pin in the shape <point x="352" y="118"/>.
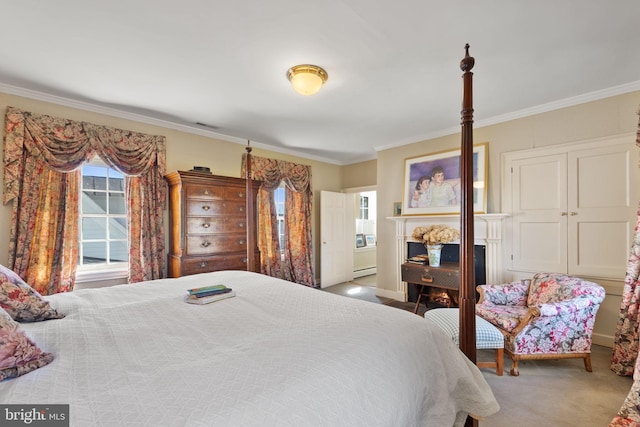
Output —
<point x="214" y="207"/>
<point x="235" y="193"/>
<point x="205" y="192"/>
<point x="214" y="263"/>
<point x="439" y="277"/>
<point x="215" y="225"/>
<point x="211" y="243"/>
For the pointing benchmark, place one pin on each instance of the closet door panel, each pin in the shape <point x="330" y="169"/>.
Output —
<point x="602" y="210"/>
<point x="539" y="213"/>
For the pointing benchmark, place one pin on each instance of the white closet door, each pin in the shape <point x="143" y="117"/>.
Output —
<point x="602" y="209"/>
<point x="539" y="213"/>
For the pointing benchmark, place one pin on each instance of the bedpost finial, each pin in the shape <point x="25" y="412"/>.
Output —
<point x="248" y="149"/>
<point x="467" y="62"/>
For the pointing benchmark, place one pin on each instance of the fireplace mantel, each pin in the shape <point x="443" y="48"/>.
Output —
<point x="487" y="231"/>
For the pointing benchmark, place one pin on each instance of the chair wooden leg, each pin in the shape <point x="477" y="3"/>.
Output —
<point x="514" y="367"/>
<point x="499" y="361"/>
<point x="587" y="363"/>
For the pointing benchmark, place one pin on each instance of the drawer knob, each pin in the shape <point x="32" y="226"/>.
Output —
<point x="205" y="243"/>
<point x="241" y="194"/>
<point x="205" y="192"/>
<point x="203" y="264"/>
<point x="206" y="225"/>
<point x="241" y="224"/>
<point x="241" y="242"/>
<point x="241" y="208"/>
<point x="206" y="207"/>
<point x="244" y="260"/>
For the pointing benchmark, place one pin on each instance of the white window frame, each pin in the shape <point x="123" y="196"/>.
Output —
<point x="102" y="271"/>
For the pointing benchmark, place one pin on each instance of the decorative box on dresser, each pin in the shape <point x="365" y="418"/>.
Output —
<point x="208" y="223"/>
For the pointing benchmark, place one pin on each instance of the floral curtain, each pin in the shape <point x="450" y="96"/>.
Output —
<point x="297" y="265"/>
<point x="625" y="349"/>
<point x="42" y="155"/>
<point x="624" y="359"/>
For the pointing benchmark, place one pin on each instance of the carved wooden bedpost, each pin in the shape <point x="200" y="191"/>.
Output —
<point x="467" y="277"/>
<point x="250" y="207"/>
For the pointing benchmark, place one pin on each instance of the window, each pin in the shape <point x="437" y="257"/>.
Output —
<point x="364" y="207"/>
<point x="279" y="195"/>
<point x="103" y="218"/>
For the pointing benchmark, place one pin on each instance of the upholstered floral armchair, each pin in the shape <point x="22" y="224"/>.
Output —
<point x="548" y="317"/>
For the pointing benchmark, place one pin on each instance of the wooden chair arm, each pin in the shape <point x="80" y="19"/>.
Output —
<point x="532" y="313"/>
<point x="480" y="290"/>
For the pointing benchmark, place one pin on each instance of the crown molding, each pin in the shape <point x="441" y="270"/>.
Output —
<point x="544" y="108"/>
<point x="141" y="118"/>
<point x="198" y="130"/>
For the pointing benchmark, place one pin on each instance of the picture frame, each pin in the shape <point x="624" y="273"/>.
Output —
<point x="360" y="242"/>
<point x="370" y="239"/>
<point x="424" y="195"/>
<point x="397" y="208"/>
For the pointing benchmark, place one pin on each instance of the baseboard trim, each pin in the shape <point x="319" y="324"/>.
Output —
<point x="364" y="272"/>
<point x="603" y="340"/>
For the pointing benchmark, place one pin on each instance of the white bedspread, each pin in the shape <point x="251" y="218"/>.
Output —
<point x="277" y="354"/>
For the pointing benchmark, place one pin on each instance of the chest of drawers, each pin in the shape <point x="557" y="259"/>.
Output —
<point x="208" y="223"/>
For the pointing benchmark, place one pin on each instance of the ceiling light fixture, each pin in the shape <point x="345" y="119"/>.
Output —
<point x="307" y="79"/>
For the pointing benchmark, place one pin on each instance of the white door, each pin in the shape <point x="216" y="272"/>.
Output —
<point x="602" y="209"/>
<point x="336" y="238"/>
<point x="539" y="213"/>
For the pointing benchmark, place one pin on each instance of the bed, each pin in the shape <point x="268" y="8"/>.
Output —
<point x="277" y="353"/>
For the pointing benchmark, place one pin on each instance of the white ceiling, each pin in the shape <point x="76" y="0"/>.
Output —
<point x="394" y="75"/>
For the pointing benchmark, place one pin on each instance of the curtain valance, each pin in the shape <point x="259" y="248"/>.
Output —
<point x="271" y="172"/>
<point x="65" y="144"/>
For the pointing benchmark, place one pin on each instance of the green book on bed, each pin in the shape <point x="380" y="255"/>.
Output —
<point x="207" y="290"/>
<point x="192" y="299"/>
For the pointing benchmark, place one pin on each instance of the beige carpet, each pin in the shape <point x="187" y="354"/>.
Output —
<point x="557" y="393"/>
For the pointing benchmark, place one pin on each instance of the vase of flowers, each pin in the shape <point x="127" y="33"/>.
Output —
<point x="433" y="237"/>
<point x="434" y="252"/>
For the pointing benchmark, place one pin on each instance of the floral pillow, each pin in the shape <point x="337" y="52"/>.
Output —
<point x="18" y="354"/>
<point x="21" y="301"/>
<point x="549" y="288"/>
